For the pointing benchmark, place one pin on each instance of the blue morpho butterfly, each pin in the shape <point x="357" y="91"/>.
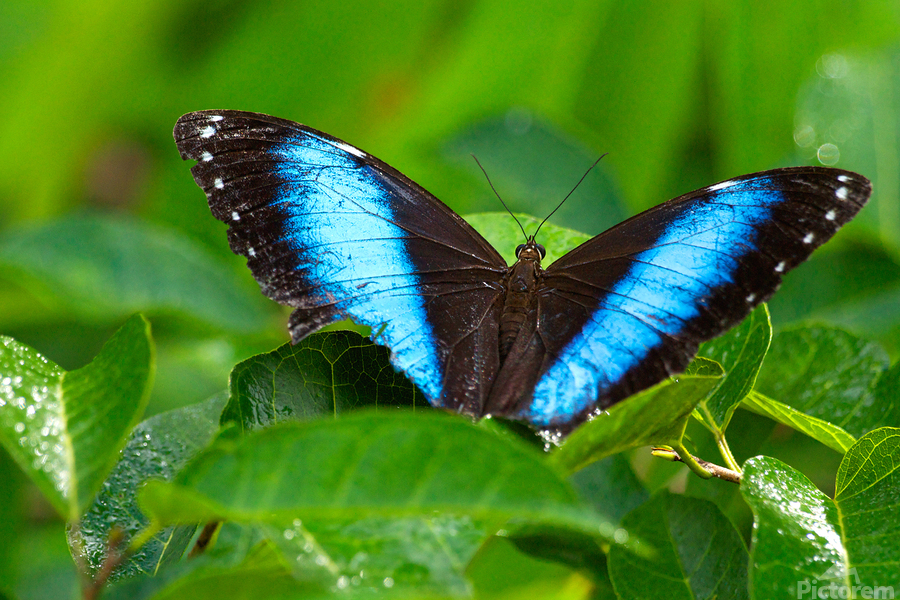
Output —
<point x="337" y="233"/>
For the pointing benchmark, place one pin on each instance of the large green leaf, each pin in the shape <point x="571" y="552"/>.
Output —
<point x="822" y="431"/>
<point x="367" y="464"/>
<point x="393" y="494"/>
<point x="825" y="373"/>
<point x="500" y="570"/>
<point x="885" y="405"/>
<point x="326" y="374"/>
<point x="867" y="492"/>
<point x="740" y="352"/>
<point x="157" y="448"/>
<point x="611" y="487"/>
<point x="259" y="573"/>
<point x="65" y="429"/>
<point x="422" y="554"/>
<point x="691" y="551"/>
<point x="803" y="539"/>
<point x="655" y="416"/>
<point x="854" y="286"/>
<point x="102" y="268"/>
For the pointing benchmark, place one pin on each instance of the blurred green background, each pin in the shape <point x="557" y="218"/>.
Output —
<point x="100" y="218"/>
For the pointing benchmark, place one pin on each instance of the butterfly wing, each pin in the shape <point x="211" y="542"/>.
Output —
<point x="629" y="307"/>
<point x="336" y="233"/>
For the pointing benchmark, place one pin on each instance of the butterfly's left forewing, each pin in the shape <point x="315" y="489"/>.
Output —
<point x="629" y="307"/>
<point x="336" y="233"/>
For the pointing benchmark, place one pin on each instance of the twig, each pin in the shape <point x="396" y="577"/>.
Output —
<point x="205" y="537"/>
<point x="711" y="468"/>
<point x="115" y="556"/>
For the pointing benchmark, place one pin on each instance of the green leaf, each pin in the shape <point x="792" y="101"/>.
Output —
<point x="500" y="570"/>
<point x="103" y="268"/>
<point x="885" y="407"/>
<point x="801" y="538"/>
<point x="654" y="416"/>
<point x="368" y="464"/>
<point x="207" y="577"/>
<point x="325" y="374"/>
<point x="502" y="232"/>
<point x="853" y="286"/>
<point x="740" y="352"/>
<point x="394" y="495"/>
<point x="421" y="554"/>
<point x="157" y="448"/>
<point x="65" y="429"/>
<point x="692" y="551"/>
<point x="822" y="431"/>
<point x="867" y="492"/>
<point x="611" y="487"/>
<point x="825" y="373"/>
<point x="796" y="534"/>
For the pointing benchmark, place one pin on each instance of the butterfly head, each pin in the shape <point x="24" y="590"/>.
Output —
<point x="530" y="250"/>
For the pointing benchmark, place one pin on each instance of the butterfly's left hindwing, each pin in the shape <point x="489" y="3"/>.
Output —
<point x="338" y="234"/>
<point x="629" y="307"/>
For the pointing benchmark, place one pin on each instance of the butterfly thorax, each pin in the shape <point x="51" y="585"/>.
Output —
<point x="521" y="284"/>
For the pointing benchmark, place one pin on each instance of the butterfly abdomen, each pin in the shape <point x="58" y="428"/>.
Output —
<point x="519" y="301"/>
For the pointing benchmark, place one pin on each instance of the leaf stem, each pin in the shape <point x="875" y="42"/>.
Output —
<point x="725" y="451"/>
<point x="116" y="555"/>
<point x="719" y="436"/>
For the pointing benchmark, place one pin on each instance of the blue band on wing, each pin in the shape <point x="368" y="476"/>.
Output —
<point x="656" y="299"/>
<point x="338" y="219"/>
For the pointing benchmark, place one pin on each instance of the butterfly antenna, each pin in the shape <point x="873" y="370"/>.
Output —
<point x="591" y="168"/>
<point x="501" y="199"/>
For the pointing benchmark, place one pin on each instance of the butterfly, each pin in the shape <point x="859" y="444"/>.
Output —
<point x="336" y="233"/>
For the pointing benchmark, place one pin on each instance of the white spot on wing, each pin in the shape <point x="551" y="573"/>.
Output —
<point x="779" y="268"/>
<point x="235" y="216"/>
<point x="251" y="252"/>
<point x="843" y="178"/>
<point x="350" y="149"/>
<point x="841" y="193"/>
<point x="208" y="131"/>
<point x="751" y="297"/>
<point x="830" y="215"/>
<point x="218" y="183"/>
<point x="206" y="156"/>
<point x="721" y="186"/>
<point x="216" y="118"/>
<point x="808" y="238"/>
